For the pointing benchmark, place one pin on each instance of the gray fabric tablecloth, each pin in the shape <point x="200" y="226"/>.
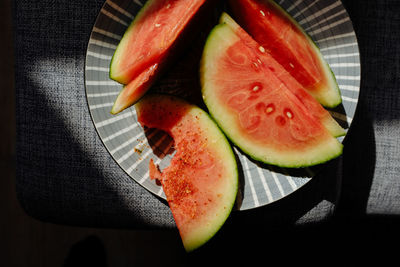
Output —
<point x="66" y="176"/>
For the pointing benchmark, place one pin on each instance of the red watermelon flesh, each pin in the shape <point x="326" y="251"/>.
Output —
<point x="201" y="181"/>
<point x="265" y="95"/>
<point x="284" y="76"/>
<point x="151" y="35"/>
<point x="286" y="41"/>
<point x="255" y="108"/>
<point x="156" y="36"/>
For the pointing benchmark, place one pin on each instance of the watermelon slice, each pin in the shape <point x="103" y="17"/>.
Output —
<point x="281" y="36"/>
<point x="291" y="83"/>
<point x="134" y="90"/>
<point x="255" y="109"/>
<point x="159" y="30"/>
<point x="201" y="181"/>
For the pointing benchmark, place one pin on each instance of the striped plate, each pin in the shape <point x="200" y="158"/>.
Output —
<point x="326" y="21"/>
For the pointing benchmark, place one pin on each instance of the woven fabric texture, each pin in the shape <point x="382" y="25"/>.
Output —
<point x="65" y="175"/>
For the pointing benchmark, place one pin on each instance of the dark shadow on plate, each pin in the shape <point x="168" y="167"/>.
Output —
<point x="289" y="209"/>
<point x="340" y="110"/>
<point x="242" y="183"/>
<point x="161" y="143"/>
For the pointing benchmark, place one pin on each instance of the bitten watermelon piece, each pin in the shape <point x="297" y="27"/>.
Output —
<point x="201" y="181"/>
<point x="156" y="34"/>
<point x="291" y="83"/>
<point x="287" y="42"/>
<point x="256" y="110"/>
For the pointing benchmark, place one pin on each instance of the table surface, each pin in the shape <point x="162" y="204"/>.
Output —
<point x="65" y="175"/>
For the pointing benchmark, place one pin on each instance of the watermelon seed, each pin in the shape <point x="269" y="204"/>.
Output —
<point x="288" y="113"/>
<point x="291" y="65"/>
<point x="157" y="25"/>
<point x="262" y="49"/>
<point x="168" y="6"/>
<point x="270" y="108"/>
<point x="256" y="87"/>
<point x="262" y="13"/>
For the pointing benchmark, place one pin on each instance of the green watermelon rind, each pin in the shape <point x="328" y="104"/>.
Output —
<point x="225" y="148"/>
<point x="229" y="208"/>
<point x="324" y="154"/>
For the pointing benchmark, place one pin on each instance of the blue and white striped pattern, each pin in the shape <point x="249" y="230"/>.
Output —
<point x="326" y="21"/>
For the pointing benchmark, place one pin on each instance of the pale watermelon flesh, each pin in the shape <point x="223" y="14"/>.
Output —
<point x="312" y="105"/>
<point x="201" y="181"/>
<point x="256" y="110"/>
<point x="286" y="41"/>
<point x="150" y="41"/>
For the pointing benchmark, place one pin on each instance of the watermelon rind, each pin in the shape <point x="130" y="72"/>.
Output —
<point x="221" y="37"/>
<point x="201" y="233"/>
